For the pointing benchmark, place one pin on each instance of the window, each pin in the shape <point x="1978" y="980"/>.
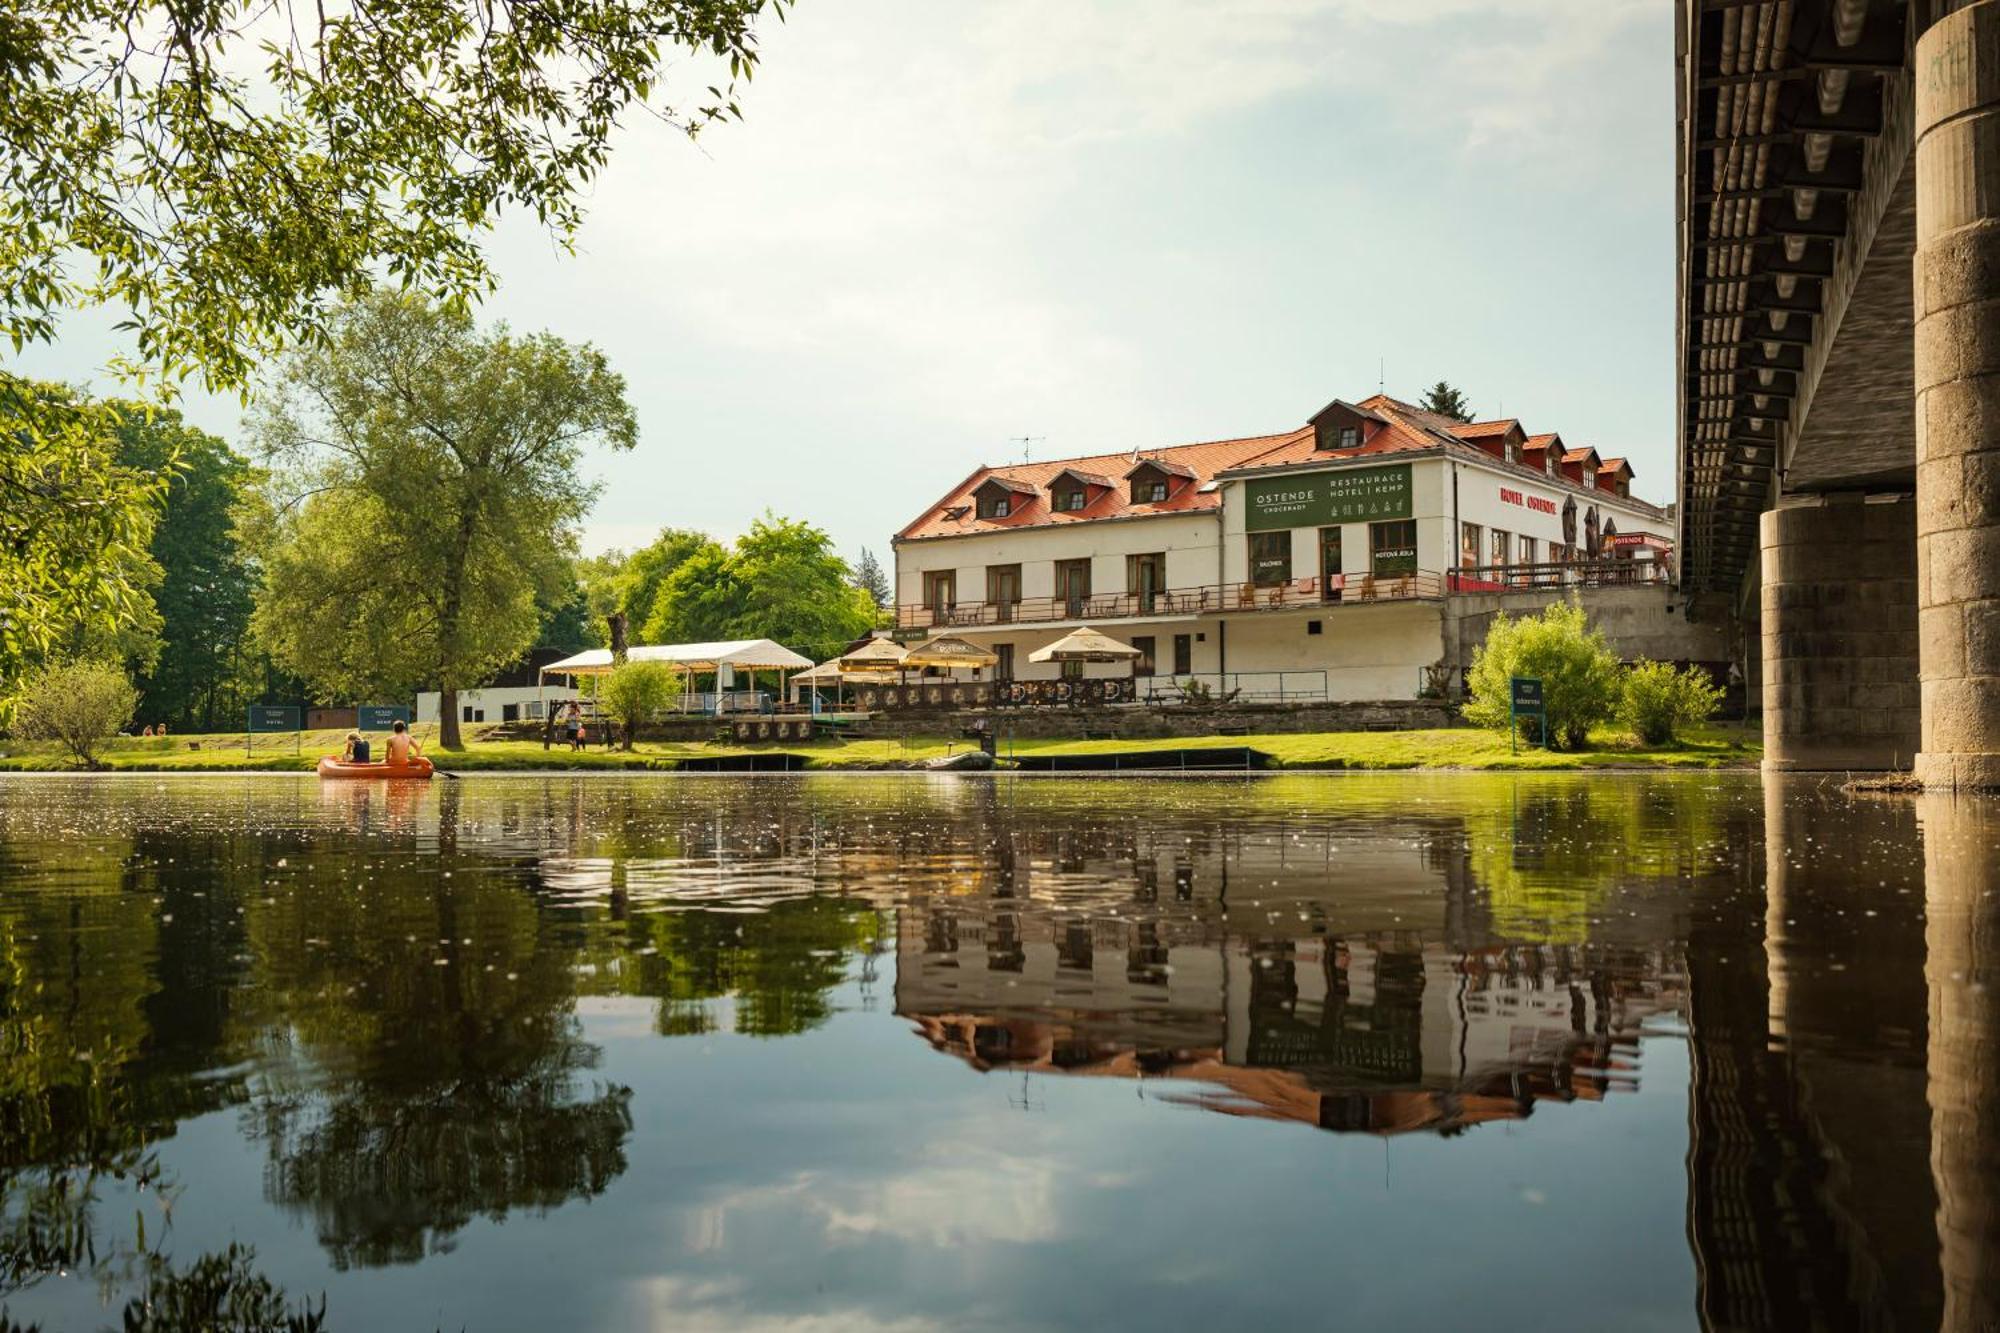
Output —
<point x="1003" y="590"/>
<point x="1146" y="644"/>
<point x="1527" y="550"/>
<point x="1350" y="437"/>
<point x="1004" y="668"/>
<point x="1070" y="500"/>
<point x="473" y="714"/>
<point x="1146" y="577"/>
<point x="941" y="590"/>
<point x="1149" y="491"/>
<point x="1392" y="547"/>
<point x="995" y="503"/>
<point x="1270" y="558"/>
<point x="1589" y="477"/>
<point x="1073" y="584"/>
<point x="1503" y="547"/>
<point x="1469" y="535"/>
<point x="1072" y="670"/>
<point x="1183" y="654"/>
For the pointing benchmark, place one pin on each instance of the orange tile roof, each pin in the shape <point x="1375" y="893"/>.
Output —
<point x="1201" y="461"/>
<point x="1578" y="455"/>
<point x="1479" y="430"/>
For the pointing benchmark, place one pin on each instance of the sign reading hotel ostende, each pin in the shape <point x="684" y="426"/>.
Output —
<point x="1323" y="499"/>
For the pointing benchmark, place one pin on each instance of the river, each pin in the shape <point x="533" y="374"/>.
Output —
<point x="900" y="1052"/>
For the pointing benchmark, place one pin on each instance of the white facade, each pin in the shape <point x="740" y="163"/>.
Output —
<point x="1366" y="631"/>
<point x="510" y="703"/>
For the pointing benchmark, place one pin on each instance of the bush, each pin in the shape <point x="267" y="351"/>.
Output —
<point x="636" y="691"/>
<point x="1659" y="700"/>
<point x="80" y="704"/>
<point x="1578" y="671"/>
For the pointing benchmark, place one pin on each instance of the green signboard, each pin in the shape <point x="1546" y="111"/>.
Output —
<point x="1322" y="499"/>
<point x="273" y="717"/>
<point x="381" y="717"/>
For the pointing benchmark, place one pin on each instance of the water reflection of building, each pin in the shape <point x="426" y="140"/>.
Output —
<point x="1383" y="1031"/>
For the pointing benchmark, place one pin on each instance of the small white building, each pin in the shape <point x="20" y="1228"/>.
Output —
<point x="1311" y="563"/>
<point x="497" y="703"/>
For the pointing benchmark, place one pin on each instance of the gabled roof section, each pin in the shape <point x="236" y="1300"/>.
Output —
<point x="1166" y="465"/>
<point x="1341" y="404"/>
<point x="1486" y="430"/>
<point x="1199" y="463"/>
<point x="1004" y="483"/>
<point x="1082" y="477"/>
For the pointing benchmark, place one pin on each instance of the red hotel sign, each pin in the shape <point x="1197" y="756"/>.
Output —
<point x="1535" y="502"/>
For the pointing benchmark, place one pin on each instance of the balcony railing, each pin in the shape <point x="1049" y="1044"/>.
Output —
<point x="1213" y="599"/>
<point x="1555" y="577"/>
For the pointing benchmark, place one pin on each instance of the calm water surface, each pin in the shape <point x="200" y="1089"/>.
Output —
<point x="904" y="1053"/>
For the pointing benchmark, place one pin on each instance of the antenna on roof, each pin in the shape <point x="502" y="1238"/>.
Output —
<point x="1027" y="443"/>
<point x="1381" y="375"/>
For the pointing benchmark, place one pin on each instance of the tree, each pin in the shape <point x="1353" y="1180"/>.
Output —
<point x="75" y="522"/>
<point x="639" y="691"/>
<point x="1656" y="700"/>
<point x="80" y="704"/>
<point x="781" y="581"/>
<point x="226" y="175"/>
<point x="647" y="570"/>
<point x="1447" y="401"/>
<point x="871" y="579"/>
<point x="1578" y="671"/>
<point x="207" y="583"/>
<point x="439" y="470"/>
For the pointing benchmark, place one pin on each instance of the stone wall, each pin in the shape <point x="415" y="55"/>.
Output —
<point x="1648" y="621"/>
<point x="1144" y="722"/>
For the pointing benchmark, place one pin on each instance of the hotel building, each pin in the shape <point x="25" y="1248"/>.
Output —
<point x="1317" y="562"/>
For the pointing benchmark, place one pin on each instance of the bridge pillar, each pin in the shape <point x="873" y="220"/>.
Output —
<point x="1957" y="293"/>
<point x="1962" y="935"/>
<point x="1840" y="635"/>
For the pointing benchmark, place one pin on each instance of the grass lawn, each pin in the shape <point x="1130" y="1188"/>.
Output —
<point x="1710" y="747"/>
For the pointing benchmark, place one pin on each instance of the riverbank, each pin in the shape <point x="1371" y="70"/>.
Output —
<point x="1454" y="748"/>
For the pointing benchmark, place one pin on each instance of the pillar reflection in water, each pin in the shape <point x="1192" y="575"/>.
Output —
<point x="1962" y="911"/>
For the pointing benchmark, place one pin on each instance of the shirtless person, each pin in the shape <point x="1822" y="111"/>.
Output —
<point x="402" y="745"/>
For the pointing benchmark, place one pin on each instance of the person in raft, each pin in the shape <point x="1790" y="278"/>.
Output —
<point x="357" y="749"/>
<point x="402" y="745"/>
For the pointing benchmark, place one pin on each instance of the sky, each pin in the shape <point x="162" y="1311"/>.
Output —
<point x="950" y="233"/>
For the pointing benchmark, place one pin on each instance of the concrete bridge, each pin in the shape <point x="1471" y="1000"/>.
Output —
<point x="1840" y="369"/>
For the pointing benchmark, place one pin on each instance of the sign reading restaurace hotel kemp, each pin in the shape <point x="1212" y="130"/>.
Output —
<point x="1323" y="499"/>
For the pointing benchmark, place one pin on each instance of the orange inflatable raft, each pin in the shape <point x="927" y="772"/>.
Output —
<point x="418" y="767"/>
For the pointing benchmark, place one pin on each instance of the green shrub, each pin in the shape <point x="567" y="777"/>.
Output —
<point x="1578" y="671"/>
<point x="1659" y="700"/>
<point x="80" y="704"/>
<point x="637" y="691"/>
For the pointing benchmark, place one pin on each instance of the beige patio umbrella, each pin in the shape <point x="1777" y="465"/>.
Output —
<point x="875" y="655"/>
<point x="1086" y="645"/>
<point x="948" y="650"/>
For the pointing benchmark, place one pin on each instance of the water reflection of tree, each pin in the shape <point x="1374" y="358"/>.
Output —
<point x="1549" y="855"/>
<point x="779" y="966"/>
<point x="454" y="1079"/>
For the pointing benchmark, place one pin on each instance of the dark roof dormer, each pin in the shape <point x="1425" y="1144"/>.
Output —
<point x="1615" y="475"/>
<point x="1341" y="425"/>
<point x="1073" y="490"/>
<point x="1156" y="480"/>
<point x="1002" y="497"/>
<point x="1580" y="466"/>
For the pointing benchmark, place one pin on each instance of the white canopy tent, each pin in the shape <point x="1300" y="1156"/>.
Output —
<point x="724" y="659"/>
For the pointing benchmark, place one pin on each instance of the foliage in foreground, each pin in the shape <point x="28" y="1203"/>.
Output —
<point x="637" y="692"/>
<point x="80" y="705"/>
<point x="1578" y="671"/>
<point x="1659" y="702"/>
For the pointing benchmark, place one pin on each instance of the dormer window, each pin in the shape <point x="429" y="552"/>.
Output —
<point x="1350" y="437"/>
<point x="1589" y="480"/>
<point x="1070" y="500"/>
<point x="1149" y="492"/>
<point x="998" y="497"/>
<point x="1154" y="480"/>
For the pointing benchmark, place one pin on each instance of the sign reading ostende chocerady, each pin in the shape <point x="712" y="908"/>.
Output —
<point x="1322" y="499"/>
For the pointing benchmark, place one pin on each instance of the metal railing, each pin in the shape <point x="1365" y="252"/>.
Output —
<point x="1210" y="599"/>
<point x="1215" y="687"/>
<point x="1612" y="573"/>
